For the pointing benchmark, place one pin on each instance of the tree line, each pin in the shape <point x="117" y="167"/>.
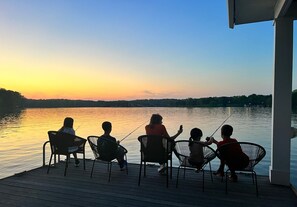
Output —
<point x="236" y="101"/>
<point x="13" y="99"/>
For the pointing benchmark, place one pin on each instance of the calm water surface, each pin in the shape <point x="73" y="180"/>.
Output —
<point x="23" y="133"/>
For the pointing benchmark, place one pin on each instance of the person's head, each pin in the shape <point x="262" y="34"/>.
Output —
<point x="156" y="119"/>
<point x="196" y="134"/>
<point x="226" y="131"/>
<point x="68" y="122"/>
<point x="106" y="126"/>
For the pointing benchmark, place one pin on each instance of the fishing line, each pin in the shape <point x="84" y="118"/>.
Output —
<point x="133" y="131"/>
<point x="77" y="128"/>
<point x="220" y="125"/>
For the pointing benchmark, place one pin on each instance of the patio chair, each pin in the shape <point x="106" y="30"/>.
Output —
<point x="155" y="149"/>
<point x="255" y="153"/>
<point x="182" y="152"/>
<point x="105" y="153"/>
<point x="65" y="144"/>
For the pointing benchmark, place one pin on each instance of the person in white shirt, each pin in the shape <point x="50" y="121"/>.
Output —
<point x="68" y="128"/>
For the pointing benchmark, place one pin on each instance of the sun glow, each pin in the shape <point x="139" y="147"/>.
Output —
<point x="100" y="53"/>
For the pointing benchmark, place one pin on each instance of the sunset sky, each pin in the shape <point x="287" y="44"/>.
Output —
<point x="132" y="49"/>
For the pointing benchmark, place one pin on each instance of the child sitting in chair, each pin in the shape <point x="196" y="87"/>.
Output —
<point x="110" y="150"/>
<point x="196" y="157"/>
<point x="232" y="156"/>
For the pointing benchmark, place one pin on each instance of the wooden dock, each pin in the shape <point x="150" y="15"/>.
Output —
<point x="37" y="188"/>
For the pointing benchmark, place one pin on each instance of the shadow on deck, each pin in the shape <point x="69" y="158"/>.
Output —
<point x="36" y="188"/>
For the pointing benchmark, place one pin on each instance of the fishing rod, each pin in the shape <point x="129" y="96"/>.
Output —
<point x="220" y="125"/>
<point x="77" y="128"/>
<point x="132" y="131"/>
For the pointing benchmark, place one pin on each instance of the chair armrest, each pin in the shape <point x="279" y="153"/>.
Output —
<point x="80" y="143"/>
<point x="125" y="150"/>
<point x="80" y="140"/>
<point x="73" y="149"/>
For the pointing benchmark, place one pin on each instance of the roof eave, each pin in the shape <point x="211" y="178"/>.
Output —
<point x="231" y="8"/>
<point x="250" y="11"/>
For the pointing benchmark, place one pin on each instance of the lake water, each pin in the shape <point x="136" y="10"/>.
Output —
<point x="23" y="133"/>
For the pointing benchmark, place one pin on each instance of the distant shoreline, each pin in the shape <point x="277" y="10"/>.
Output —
<point x="235" y="101"/>
<point x="13" y="99"/>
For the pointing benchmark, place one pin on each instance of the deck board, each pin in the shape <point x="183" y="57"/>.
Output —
<point x="37" y="188"/>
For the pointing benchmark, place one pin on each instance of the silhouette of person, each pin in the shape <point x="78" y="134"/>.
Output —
<point x="196" y="157"/>
<point x="233" y="156"/>
<point x="156" y="127"/>
<point x="68" y="128"/>
<point x="111" y="149"/>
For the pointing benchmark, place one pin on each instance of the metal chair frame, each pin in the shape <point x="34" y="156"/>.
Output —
<point x="155" y="151"/>
<point x="255" y="156"/>
<point x="184" y="153"/>
<point x="93" y="144"/>
<point x="65" y="144"/>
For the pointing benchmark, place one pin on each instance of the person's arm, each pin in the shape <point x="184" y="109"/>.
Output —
<point x="215" y="141"/>
<point x="209" y="141"/>
<point x="113" y="139"/>
<point x="212" y="140"/>
<point x="178" y="132"/>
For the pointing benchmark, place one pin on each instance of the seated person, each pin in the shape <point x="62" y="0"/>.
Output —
<point x="233" y="156"/>
<point x="68" y="128"/>
<point x="155" y="127"/>
<point x="111" y="151"/>
<point x="196" y="157"/>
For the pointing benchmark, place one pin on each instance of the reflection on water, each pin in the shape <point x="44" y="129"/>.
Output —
<point x="22" y="133"/>
<point x="10" y="117"/>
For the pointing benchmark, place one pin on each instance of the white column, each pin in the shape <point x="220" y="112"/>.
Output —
<point x="279" y="172"/>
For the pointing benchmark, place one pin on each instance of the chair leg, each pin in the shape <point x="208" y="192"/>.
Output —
<point x="253" y="178"/>
<point x="66" y="164"/>
<point x="167" y="174"/>
<point x="109" y="171"/>
<point x="210" y="172"/>
<point x="49" y="165"/>
<point x="55" y="159"/>
<point x="171" y="168"/>
<point x="202" y="180"/>
<point x="257" y="192"/>
<point x="126" y="163"/>
<point x="127" y="168"/>
<point x="84" y="157"/>
<point x="139" y="177"/>
<point x="93" y="168"/>
<point x="226" y="187"/>
<point x="177" y="176"/>
<point x="222" y="177"/>
<point x="144" y="169"/>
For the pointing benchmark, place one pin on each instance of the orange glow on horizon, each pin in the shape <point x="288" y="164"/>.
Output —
<point x="75" y="78"/>
<point x="35" y="80"/>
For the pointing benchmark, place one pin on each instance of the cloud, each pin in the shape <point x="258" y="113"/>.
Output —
<point x="147" y="92"/>
<point x="152" y="94"/>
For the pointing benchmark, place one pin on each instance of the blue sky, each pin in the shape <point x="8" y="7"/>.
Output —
<point x="132" y="49"/>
